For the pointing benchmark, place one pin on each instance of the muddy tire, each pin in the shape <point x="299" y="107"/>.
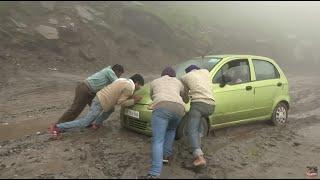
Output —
<point x="280" y="115"/>
<point x="182" y="128"/>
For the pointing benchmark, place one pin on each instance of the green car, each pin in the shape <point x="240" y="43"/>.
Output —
<point x="246" y="88"/>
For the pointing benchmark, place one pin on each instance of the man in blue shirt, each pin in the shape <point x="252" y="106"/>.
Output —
<point x="87" y="89"/>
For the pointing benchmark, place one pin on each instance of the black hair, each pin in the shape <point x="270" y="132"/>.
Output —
<point x="137" y="78"/>
<point x="118" y="68"/>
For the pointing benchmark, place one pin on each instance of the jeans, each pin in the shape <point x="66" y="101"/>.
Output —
<point x="164" y="125"/>
<point x="198" y="110"/>
<point x="95" y="114"/>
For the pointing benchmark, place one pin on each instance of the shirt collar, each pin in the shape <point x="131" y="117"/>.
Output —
<point x="132" y="83"/>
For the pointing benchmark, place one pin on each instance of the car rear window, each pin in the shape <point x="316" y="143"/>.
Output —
<point x="265" y="70"/>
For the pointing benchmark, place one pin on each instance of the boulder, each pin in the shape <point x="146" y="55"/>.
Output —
<point x="53" y="21"/>
<point x="84" y="13"/>
<point x="48" y="4"/>
<point x="48" y="32"/>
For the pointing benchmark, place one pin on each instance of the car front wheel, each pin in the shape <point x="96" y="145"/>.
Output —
<point x="183" y="126"/>
<point x="280" y="115"/>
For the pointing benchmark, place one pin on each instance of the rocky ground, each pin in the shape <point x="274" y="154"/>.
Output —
<point x="30" y="101"/>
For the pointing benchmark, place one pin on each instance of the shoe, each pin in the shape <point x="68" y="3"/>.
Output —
<point x="167" y="159"/>
<point x="96" y="126"/>
<point x="55" y="131"/>
<point x="199" y="161"/>
<point x="150" y="176"/>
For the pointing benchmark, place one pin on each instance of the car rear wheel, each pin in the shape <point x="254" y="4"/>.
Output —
<point x="183" y="126"/>
<point x="280" y="115"/>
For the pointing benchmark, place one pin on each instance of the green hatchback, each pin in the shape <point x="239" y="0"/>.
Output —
<point x="246" y="88"/>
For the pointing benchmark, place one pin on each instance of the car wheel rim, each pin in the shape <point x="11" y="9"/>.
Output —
<point x="281" y="115"/>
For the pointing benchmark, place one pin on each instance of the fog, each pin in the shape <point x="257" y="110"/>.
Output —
<point x="286" y="31"/>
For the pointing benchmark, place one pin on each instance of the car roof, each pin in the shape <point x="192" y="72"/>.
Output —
<point x="235" y="56"/>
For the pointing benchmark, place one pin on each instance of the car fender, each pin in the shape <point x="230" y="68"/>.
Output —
<point x="279" y="99"/>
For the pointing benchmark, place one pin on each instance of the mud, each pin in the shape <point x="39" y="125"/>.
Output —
<point x="30" y="101"/>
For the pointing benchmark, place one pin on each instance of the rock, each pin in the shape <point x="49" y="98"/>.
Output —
<point x="84" y="13"/>
<point x="2" y="166"/>
<point x="86" y="54"/>
<point x="296" y="144"/>
<point x="48" y="32"/>
<point x="105" y="25"/>
<point x="83" y="156"/>
<point x="18" y="24"/>
<point x="53" y="69"/>
<point x="67" y="18"/>
<point x="244" y="164"/>
<point x="38" y="133"/>
<point x="53" y="21"/>
<point x="48" y="4"/>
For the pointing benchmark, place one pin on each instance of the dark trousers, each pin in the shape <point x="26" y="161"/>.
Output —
<point x="198" y="110"/>
<point x="83" y="96"/>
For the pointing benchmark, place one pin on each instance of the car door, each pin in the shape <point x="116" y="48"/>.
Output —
<point x="235" y="100"/>
<point x="267" y="85"/>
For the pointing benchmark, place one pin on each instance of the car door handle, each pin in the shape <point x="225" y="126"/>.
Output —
<point x="248" y="88"/>
<point x="279" y="84"/>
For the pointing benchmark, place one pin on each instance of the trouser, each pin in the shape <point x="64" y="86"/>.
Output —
<point x="95" y="114"/>
<point x="164" y="125"/>
<point x="198" y="110"/>
<point x="83" y="96"/>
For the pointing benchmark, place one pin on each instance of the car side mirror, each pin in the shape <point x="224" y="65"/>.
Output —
<point x="225" y="80"/>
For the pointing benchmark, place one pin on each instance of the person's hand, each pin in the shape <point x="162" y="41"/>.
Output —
<point x="150" y="107"/>
<point x="137" y="98"/>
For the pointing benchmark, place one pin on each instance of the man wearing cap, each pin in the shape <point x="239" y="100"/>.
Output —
<point x="199" y="85"/>
<point x="168" y="95"/>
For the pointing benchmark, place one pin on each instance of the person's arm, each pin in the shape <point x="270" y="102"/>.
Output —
<point x="150" y="107"/>
<point x="184" y="93"/>
<point x="151" y="91"/>
<point x="127" y="98"/>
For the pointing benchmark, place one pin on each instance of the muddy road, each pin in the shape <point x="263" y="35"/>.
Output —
<point x="30" y="101"/>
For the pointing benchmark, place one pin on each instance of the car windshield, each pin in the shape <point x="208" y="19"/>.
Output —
<point x="205" y="63"/>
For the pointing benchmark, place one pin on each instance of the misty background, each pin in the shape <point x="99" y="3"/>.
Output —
<point x="85" y="36"/>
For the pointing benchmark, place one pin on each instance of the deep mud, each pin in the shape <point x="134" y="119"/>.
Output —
<point x="30" y="101"/>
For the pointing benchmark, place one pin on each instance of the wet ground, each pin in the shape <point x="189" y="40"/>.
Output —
<point x="29" y="102"/>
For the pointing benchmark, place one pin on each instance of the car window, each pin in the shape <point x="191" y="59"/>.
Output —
<point x="206" y="63"/>
<point x="238" y="70"/>
<point x="265" y="70"/>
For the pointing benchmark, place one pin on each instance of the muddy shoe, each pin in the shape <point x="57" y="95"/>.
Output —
<point x="199" y="162"/>
<point x="96" y="126"/>
<point x="150" y="176"/>
<point x="167" y="160"/>
<point x="55" y="131"/>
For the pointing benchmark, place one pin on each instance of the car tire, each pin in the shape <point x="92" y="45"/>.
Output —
<point x="280" y="115"/>
<point x="182" y="128"/>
